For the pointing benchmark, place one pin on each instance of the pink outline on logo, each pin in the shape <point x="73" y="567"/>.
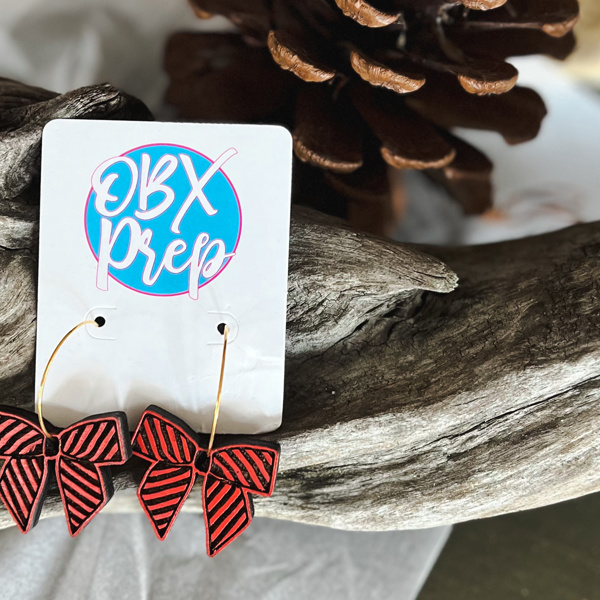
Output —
<point x="216" y="274"/>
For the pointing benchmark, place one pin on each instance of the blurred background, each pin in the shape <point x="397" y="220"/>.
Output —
<point x="549" y="183"/>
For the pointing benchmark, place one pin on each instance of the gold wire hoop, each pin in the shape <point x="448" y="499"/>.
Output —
<point x="218" y="403"/>
<point x="45" y="375"/>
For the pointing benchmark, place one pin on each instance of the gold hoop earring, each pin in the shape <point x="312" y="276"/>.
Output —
<point x="232" y="471"/>
<point x="82" y="455"/>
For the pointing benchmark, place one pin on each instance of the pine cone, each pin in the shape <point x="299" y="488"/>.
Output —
<point x="396" y="75"/>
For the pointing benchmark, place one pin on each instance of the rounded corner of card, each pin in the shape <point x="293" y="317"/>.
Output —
<point x="52" y="126"/>
<point x="283" y="134"/>
<point x="276" y="422"/>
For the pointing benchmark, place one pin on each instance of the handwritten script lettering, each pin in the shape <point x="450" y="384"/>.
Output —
<point x="126" y="235"/>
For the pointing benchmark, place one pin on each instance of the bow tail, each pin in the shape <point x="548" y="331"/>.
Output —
<point x="84" y="488"/>
<point x="162" y="493"/>
<point x="23" y="486"/>
<point x="228" y="510"/>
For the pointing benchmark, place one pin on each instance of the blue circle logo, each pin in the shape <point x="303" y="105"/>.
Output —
<point x="162" y="219"/>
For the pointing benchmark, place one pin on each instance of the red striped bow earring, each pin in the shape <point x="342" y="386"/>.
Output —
<point x="231" y="471"/>
<point x="82" y="455"/>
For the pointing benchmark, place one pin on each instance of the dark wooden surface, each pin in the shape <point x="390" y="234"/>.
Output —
<point x="551" y="553"/>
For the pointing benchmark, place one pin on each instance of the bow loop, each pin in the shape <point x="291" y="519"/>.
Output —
<point x="101" y="440"/>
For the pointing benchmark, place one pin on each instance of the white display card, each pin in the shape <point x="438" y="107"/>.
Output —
<point x="166" y="230"/>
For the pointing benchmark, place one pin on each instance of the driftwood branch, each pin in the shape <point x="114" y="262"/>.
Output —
<point x="406" y="406"/>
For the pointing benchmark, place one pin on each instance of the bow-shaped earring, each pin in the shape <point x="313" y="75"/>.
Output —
<point x="232" y="470"/>
<point x="82" y="455"/>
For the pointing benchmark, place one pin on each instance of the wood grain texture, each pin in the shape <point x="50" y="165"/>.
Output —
<point x="406" y="405"/>
<point x="482" y="402"/>
<point x="21" y="127"/>
<point x="407" y="408"/>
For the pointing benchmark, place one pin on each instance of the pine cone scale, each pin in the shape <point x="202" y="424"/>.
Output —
<point x="555" y="17"/>
<point x="366" y="14"/>
<point x="401" y="78"/>
<point x="407" y="140"/>
<point x="292" y="57"/>
<point x="516" y="115"/>
<point x="503" y="43"/>
<point x="326" y="133"/>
